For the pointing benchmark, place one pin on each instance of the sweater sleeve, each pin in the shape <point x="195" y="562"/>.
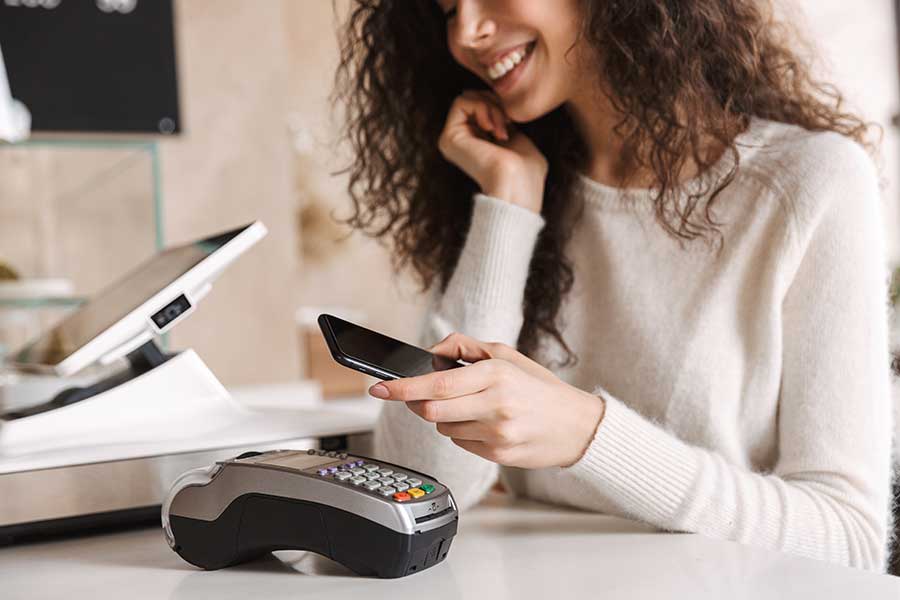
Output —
<point x="828" y="494"/>
<point x="483" y="299"/>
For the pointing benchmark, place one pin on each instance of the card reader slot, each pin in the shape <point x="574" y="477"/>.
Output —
<point x="433" y="516"/>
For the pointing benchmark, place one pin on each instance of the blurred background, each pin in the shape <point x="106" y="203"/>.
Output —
<point x="194" y="116"/>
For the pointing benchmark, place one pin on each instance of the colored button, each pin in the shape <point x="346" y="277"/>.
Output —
<point x="427" y="488"/>
<point x="360" y="462"/>
<point x="332" y="469"/>
<point x="402" y="497"/>
<point x="413" y="482"/>
<point x="415" y="492"/>
<point x="323" y="472"/>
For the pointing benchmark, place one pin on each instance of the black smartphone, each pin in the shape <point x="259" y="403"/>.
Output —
<point x="376" y="354"/>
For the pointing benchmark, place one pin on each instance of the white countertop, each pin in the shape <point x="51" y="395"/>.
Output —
<point x="504" y="549"/>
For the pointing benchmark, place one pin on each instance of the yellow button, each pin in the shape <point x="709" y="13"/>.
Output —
<point x="415" y="492"/>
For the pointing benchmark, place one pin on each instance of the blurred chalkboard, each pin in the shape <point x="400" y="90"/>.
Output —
<point x="92" y="65"/>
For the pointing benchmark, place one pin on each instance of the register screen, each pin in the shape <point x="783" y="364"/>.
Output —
<point x="117" y="301"/>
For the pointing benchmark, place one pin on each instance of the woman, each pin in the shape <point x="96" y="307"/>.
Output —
<point x="677" y="228"/>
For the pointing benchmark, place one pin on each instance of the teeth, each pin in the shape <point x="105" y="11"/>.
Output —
<point x="506" y="64"/>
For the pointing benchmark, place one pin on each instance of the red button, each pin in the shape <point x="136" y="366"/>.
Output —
<point x="402" y="497"/>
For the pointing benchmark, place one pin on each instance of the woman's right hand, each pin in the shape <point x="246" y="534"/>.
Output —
<point x="511" y="167"/>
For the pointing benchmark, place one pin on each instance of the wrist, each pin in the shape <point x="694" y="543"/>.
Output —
<point x="518" y="190"/>
<point x="593" y="410"/>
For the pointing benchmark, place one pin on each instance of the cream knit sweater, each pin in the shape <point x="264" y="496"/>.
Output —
<point x="747" y="397"/>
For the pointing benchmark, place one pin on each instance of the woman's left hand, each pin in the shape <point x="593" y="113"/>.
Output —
<point x="503" y="407"/>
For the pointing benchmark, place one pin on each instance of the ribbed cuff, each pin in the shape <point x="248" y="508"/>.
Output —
<point x="644" y="468"/>
<point x="493" y="265"/>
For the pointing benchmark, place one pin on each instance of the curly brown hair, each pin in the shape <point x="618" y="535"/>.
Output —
<point x="681" y="73"/>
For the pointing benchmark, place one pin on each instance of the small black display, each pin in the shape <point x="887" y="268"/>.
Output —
<point x="390" y="356"/>
<point x="172" y="311"/>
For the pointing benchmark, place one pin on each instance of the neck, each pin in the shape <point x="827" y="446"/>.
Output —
<point x="595" y="118"/>
<point x="610" y="160"/>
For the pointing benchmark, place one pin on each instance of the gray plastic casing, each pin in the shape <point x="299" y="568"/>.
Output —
<point x="205" y="493"/>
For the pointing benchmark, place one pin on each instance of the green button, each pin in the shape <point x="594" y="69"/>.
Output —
<point x="427" y="488"/>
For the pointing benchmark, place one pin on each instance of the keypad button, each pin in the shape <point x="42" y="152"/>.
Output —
<point x="341" y="476"/>
<point x="323" y="472"/>
<point x="413" y="482"/>
<point x="415" y="492"/>
<point x="402" y="497"/>
<point x="371" y="476"/>
<point x="358" y="480"/>
<point x="386" y="481"/>
<point x="357" y="471"/>
<point x="401" y="487"/>
<point x="371" y="485"/>
<point x="427" y="488"/>
<point x="342" y="456"/>
<point x="371" y="467"/>
<point x="387" y="491"/>
<point x="385" y="472"/>
<point x="400" y="476"/>
<point x="332" y="469"/>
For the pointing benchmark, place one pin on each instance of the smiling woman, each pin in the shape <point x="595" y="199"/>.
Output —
<point x="658" y="239"/>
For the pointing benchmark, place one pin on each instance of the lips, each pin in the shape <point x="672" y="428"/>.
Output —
<point x="504" y="75"/>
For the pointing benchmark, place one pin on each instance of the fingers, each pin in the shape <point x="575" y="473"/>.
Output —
<point x="488" y="115"/>
<point x="494" y="109"/>
<point x="454" y="410"/>
<point x="451" y="383"/>
<point x="496" y="435"/>
<point x="460" y="346"/>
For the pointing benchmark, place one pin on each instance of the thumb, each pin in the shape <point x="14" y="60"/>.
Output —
<point x="458" y="346"/>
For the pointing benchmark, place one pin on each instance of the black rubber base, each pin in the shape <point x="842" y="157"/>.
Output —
<point x="255" y="524"/>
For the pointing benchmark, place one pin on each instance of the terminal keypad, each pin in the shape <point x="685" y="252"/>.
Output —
<point x="376" y="479"/>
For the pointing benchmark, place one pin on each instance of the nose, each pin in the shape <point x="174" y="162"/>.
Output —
<point x="473" y="26"/>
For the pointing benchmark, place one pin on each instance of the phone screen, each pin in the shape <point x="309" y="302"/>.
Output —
<point x="385" y="352"/>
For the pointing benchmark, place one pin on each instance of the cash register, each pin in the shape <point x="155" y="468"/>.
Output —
<point x="106" y="451"/>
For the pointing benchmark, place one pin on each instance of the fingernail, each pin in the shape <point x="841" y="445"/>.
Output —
<point x="379" y="391"/>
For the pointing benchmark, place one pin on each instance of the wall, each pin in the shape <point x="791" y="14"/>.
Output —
<point x="233" y="165"/>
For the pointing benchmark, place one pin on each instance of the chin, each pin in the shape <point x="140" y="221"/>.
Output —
<point x="526" y="112"/>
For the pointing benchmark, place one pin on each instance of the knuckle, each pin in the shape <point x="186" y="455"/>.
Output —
<point x="430" y="411"/>
<point x="505" y="411"/>
<point x="443" y="384"/>
<point x="400" y="390"/>
<point x="498" y="454"/>
<point x="504" y="434"/>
